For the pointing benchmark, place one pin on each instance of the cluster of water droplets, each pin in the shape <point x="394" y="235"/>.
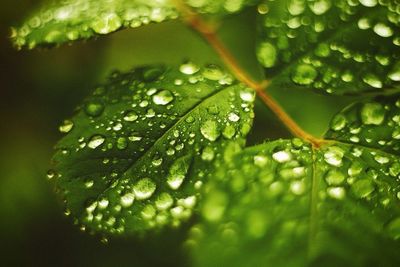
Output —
<point x="273" y="191"/>
<point x="373" y="123"/>
<point x="149" y="138"/>
<point x="70" y="20"/>
<point x="333" y="46"/>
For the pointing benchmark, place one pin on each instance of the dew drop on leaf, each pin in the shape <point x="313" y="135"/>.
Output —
<point x="122" y="143"/>
<point x="372" y="80"/>
<point x="383" y="30"/>
<point x="210" y="130"/>
<point x="177" y="172"/>
<point x="163" y="97"/>
<point x="369" y="3"/>
<point x="334" y="177"/>
<point x="106" y="23"/>
<point x="282" y="156"/>
<point x="189" y="68"/>
<point x="229" y="131"/>
<point x="233" y="117"/>
<point x="362" y="188"/>
<point x="334" y="155"/>
<point x="127" y="200"/>
<point x="164" y="201"/>
<point x="338" y="122"/>
<point x="144" y="188"/>
<point x="130" y="116"/>
<point x="304" y="74"/>
<point x="372" y="114"/>
<point x="394" y="74"/>
<point x="95" y="141"/>
<point x="336" y="192"/>
<point x="94" y="109"/>
<point x="247" y="96"/>
<point x="266" y="54"/>
<point x="66" y="126"/>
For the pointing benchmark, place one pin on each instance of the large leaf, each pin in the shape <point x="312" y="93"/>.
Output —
<point x="70" y="20"/>
<point x="138" y="150"/>
<point x="335" y="47"/>
<point x="285" y="203"/>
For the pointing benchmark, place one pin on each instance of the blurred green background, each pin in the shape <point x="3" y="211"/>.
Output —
<point x="38" y="89"/>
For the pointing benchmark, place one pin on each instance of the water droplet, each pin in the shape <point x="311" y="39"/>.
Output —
<point x="381" y="159"/>
<point x="103" y="203"/>
<point x="229" y="131"/>
<point x="338" y="122"/>
<point x="297" y="187"/>
<point x="260" y="160"/>
<point x="51" y="174"/>
<point x="106" y="23"/>
<point x="96" y="141"/>
<point x="282" y="156"/>
<point x="189" y="68"/>
<point x="127" y="200"/>
<point x="364" y="23"/>
<point x="334" y="156"/>
<point x="177" y="172"/>
<point x="210" y="130"/>
<point x="304" y="74"/>
<point x="122" y="143"/>
<point x="130" y="116"/>
<point x="208" y="154"/>
<point x="372" y="114"/>
<point x="247" y="96"/>
<point x="334" y="177"/>
<point x="320" y="7"/>
<point x="383" y="30"/>
<point x="163" y="97"/>
<point x="362" y="188"/>
<point x="66" y="126"/>
<point x="266" y="54"/>
<point x="144" y="188"/>
<point x="213" y="72"/>
<point x="164" y="201"/>
<point x="336" y="192"/>
<point x="89" y="183"/>
<point x="373" y="80"/>
<point x="355" y="168"/>
<point x="369" y="3"/>
<point x="157" y="161"/>
<point x="233" y="117"/>
<point x="94" y="108"/>
<point x="148" y="212"/>
<point x="394" y="74"/>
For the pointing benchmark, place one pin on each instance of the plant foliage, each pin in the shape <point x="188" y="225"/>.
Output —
<point x="154" y="146"/>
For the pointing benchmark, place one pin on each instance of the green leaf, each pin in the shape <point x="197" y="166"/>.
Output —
<point x="372" y="123"/>
<point x="285" y="203"/>
<point x="70" y="20"/>
<point x="335" y="47"/>
<point x="138" y="150"/>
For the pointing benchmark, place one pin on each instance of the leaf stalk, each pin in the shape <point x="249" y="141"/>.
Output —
<point x="208" y="32"/>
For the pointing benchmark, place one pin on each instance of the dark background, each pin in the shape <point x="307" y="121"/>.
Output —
<point x="38" y="89"/>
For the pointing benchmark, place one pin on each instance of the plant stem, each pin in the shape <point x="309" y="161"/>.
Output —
<point x="209" y="34"/>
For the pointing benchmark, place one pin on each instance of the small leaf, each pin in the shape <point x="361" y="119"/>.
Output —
<point x="335" y="47"/>
<point x="285" y="203"/>
<point x="138" y="150"/>
<point x="70" y="20"/>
